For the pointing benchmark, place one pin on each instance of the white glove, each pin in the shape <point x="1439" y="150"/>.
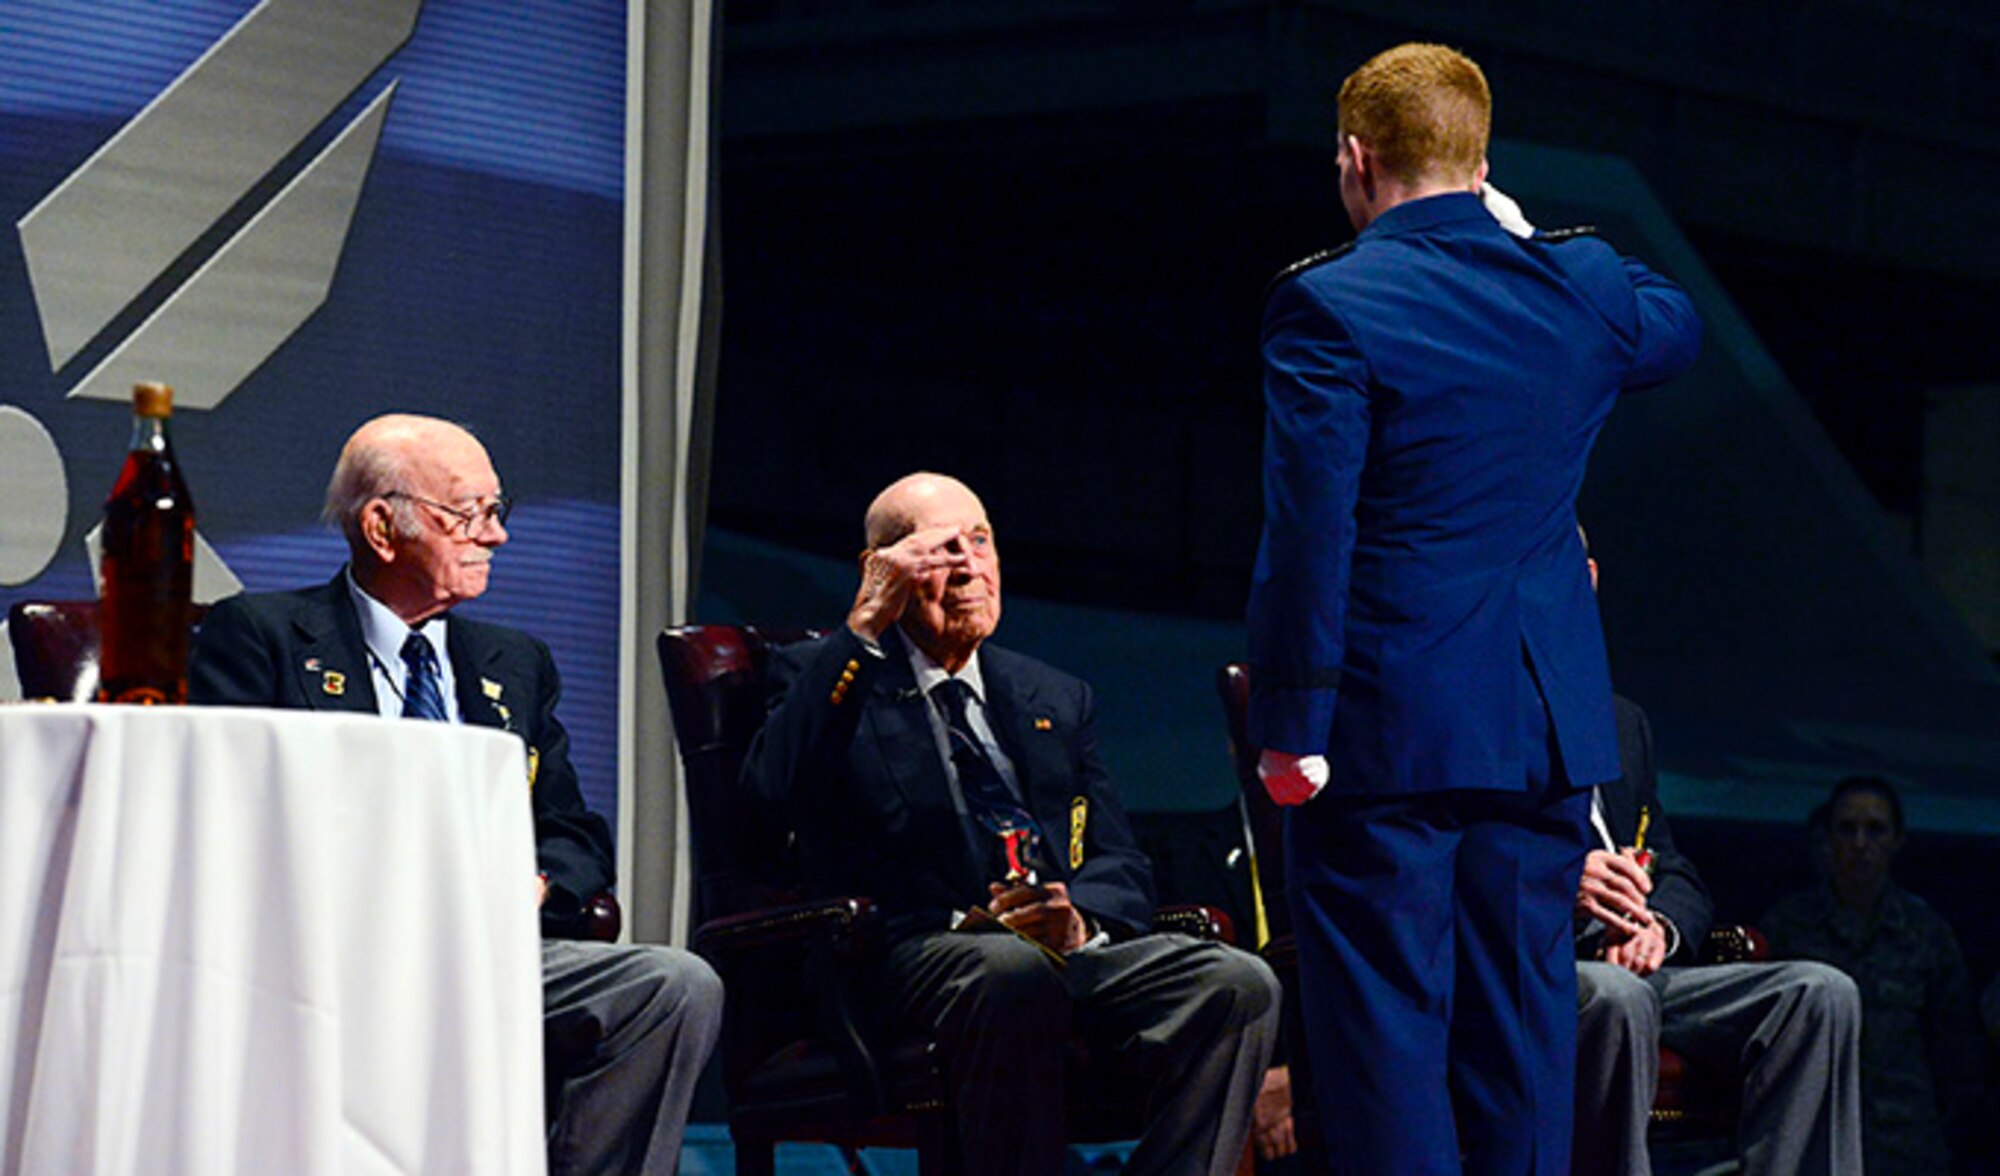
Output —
<point x="1291" y="779"/>
<point x="1505" y="211"/>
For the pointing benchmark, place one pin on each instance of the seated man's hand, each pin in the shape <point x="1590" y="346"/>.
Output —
<point x="1271" y="1117"/>
<point x="889" y="573"/>
<point x="1291" y="779"/>
<point x="1614" y="890"/>
<point x="1640" y="952"/>
<point x="1042" y="913"/>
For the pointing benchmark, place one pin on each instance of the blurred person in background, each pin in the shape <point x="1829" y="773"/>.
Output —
<point x="1922" y="1053"/>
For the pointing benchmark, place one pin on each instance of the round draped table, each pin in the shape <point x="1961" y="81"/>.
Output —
<point x="239" y="940"/>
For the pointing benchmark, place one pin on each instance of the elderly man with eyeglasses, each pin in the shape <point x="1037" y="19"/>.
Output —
<point x="421" y="507"/>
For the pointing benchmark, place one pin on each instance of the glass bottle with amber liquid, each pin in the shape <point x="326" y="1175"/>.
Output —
<point x="146" y="574"/>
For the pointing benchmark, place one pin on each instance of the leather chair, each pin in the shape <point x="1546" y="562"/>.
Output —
<point x="801" y="1059"/>
<point x="56" y="648"/>
<point x="1691" y="1102"/>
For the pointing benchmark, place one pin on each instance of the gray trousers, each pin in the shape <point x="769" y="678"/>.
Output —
<point x="1196" y="1019"/>
<point x="1793" y="1030"/>
<point x="658" y="1011"/>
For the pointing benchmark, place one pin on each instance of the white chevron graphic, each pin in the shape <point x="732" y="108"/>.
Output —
<point x="257" y="290"/>
<point x="113" y="227"/>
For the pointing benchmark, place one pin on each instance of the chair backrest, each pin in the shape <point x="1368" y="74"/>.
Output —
<point x="714" y="676"/>
<point x="1267" y="823"/>
<point x="56" y="647"/>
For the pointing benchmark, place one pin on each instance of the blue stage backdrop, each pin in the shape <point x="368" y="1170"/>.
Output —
<point x="478" y="279"/>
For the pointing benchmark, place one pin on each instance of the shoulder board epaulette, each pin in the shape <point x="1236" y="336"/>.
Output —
<point x="1558" y="236"/>
<point x="1305" y="263"/>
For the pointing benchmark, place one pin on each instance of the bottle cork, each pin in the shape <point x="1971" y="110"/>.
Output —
<point x="152" y="400"/>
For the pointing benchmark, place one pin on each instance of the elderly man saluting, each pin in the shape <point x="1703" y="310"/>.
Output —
<point x="940" y="774"/>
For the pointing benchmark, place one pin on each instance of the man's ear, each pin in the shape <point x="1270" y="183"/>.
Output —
<point x="378" y="526"/>
<point x="1479" y="177"/>
<point x="1363" y="161"/>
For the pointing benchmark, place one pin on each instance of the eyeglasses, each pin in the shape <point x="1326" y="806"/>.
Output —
<point x="493" y="510"/>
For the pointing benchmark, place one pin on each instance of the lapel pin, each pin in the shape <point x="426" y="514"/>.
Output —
<point x="312" y="665"/>
<point x="333" y="682"/>
<point x="1042" y="724"/>
<point x="490" y="688"/>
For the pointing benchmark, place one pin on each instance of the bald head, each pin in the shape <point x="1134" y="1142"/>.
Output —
<point x="899" y="509"/>
<point x="413" y="496"/>
<point x="394" y="453"/>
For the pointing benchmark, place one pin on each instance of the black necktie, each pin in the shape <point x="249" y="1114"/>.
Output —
<point x="987" y="796"/>
<point x="422" y="697"/>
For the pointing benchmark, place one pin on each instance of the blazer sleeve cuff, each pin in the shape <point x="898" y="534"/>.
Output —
<point x="1673" y="933"/>
<point x="1291" y="719"/>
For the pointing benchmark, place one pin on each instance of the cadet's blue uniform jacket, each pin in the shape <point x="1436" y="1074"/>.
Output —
<point x="1433" y="393"/>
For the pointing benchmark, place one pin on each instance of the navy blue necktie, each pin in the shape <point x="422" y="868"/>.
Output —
<point x="422" y="696"/>
<point x="987" y="796"/>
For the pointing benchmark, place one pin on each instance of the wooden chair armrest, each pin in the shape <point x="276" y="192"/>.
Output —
<point x="807" y="959"/>
<point x="597" y="919"/>
<point x="1733" y="943"/>
<point x="601" y="919"/>
<point x="1202" y="922"/>
<point x="841" y="922"/>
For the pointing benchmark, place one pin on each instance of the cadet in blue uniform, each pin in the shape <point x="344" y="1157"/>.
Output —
<point x="1428" y="668"/>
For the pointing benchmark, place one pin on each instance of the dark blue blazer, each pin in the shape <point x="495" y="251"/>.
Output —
<point x="855" y="768"/>
<point x="304" y="650"/>
<point x="1433" y="393"/>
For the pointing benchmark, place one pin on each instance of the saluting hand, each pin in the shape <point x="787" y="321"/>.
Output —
<point x="1505" y="210"/>
<point x="888" y="574"/>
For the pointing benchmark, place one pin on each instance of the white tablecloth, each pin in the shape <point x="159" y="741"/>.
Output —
<point x="265" y="942"/>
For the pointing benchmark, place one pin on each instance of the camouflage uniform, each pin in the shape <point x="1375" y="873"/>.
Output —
<point x="1921" y="1047"/>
